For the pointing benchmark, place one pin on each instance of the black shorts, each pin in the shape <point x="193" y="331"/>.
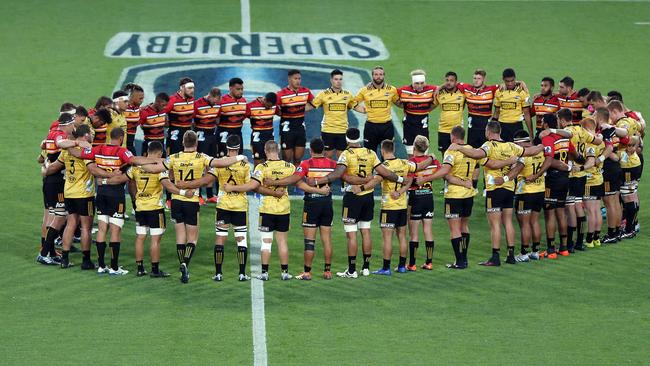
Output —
<point x="631" y="174"/>
<point x="292" y="134"/>
<point x="130" y="143"/>
<point x="317" y="213"/>
<point x="612" y="177"/>
<point x="420" y="206"/>
<point x="175" y="139"/>
<point x="234" y="218"/>
<point x="145" y="147"/>
<point x="222" y="136"/>
<point x="112" y="206"/>
<point x="576" y="189"/>
<point x="444" y="140"/>
<point x="476" y="130"/>
<point x="594" y="192"/>
<point x="508" y="130"/>
<point x="207" y="142"/>
<point x="499" y="199"/>
<point x="458" y="207"/>
<point x="334" y="141"/>
<point x="80" y="206"/>
<point x="414" y="125"/>
<point x="53" y="195"/>
<point x="270" y="223"/>
<point x="154" y="219"/>
<point x="258" y="140"/>
<point x="525" y="203"/>
<point x="185" y="212"/>
<point x="375" y="133"/>
<point x="557" y="188"/>
<point x="391" y="219"/>
<point x="357" y="208"/>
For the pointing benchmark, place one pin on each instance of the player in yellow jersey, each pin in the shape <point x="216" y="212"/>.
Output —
<point x="512" y="106"/>
<point x="529" y="200"/>
<point x="377" y="98"/>
<point x="120" y="103"/>
<point x="336" y="103"/>
<point x="500" y="174"/>
<point x="188" y="165"/>
<point x="452" y="102"/>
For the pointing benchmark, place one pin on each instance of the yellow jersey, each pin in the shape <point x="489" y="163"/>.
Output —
<point x="461" y="167"/>
<point x="149" y="196"/>
<point x="451" y="109"/>
<point x="402" y="168"/>
<point x="579" y="138"/>
<point x="359" y="161"/>
<point x="532" y="165"/>
<point x="511" y="104"/>
<point x="630" y="124"/>
<point x="628" y="160"/>
<point x="79" y="182"/>
<point x="377" y="101"/>
<point x="335" y="109"/>
<point x="499" y="150"/>
<point x="236" y="174"/>
<point x="274" y="169"/>
<point x="117" y="120"/>
<point x="188" y="166"/>
<point x="595" y="173"/>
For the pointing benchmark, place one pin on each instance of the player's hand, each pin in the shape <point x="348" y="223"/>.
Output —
<point x="278" y="193"/>
<point x="394" y="195"/>
<point x="268" y="181"/>
<point x="511" y="160"/>
<point x="189" y="193"/>
<point x="325" y="190"/>
<point x="453" y="147"/>
<point x="420" y="180"/>
<point x="227" y="187"/>
<point x="311" y="181"/>
<point x="498" y="181"/>
<point x="181" y="184"/>
<point x="356" y="189"/>
<point x="84" y="144"/>
<point x="544" y="133"/>
<point x="531" y="178"/>
<point x="116" y="172"/>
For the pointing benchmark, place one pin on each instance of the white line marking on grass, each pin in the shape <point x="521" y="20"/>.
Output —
<point x="260" y="357"/>
<point x="642" y="23"/>
<point x="245" y="16"/>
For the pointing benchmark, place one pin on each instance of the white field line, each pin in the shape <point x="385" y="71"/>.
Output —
<point x="260" y="357"/>
<point x="245" y="16"/>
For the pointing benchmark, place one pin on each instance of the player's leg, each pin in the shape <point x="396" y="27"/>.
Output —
<point x="310" y="246"/>
<point x="140" y="236"/>
<point x="326" y="238"/>
<point x="100" y="239"/>
<point x="242" y="248"/>
<point x="403" y="247"/>
<point x="464" y="230"/>
<point x="455" y="225"/>
<point x="350" y="214"/>
<point x="68" y="237"/>
<point x="282" y="237"/>
<point x="572" y="220"/>
<point x="57" y="218"/>
<point x="536" y="234"/>
<point x="506" y="219"/>
<point x="266" y="236"/>
<point x="562" y="225"/>
<point x="551" y="224"/>
<point x="414" y="241"/>
<point x="592" y="212"/>
<point x="219" y="243"/>
<point x="365" y="219"/>
<point x="387" y="249"/>
<point x="494" y="220"/>
<point x="523" y="218"/>
<point x="581" y="218"/>
<point x="86" y="239"/>
<point x="115" y="229"/>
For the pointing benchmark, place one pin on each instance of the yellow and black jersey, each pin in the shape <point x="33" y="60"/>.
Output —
<point x="274" y="169"/>
<point x="595" y="173"/>
<point x="451" y="105"/>
<point x="630" y="124"/>
<point x="532" y="165"/>
<point x="359" y="161"/>
<point x="377" y="101"/>
<point x="79" y="182"/>
<point x="579" y="138"/>
<point x="117" y="120"/>
<point x="511" y="104"/>
<point x="402" y="168"/>
<point x="236" y="174"/>
<point x="188" y="166"/>
<point x="499" y="150"/>
<point x="149" y="196"/>
<point x="462" y="167"/>
<point x="335" y="109"/>
<point x="628" y="160"/>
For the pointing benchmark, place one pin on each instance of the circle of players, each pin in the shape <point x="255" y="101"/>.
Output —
<point x="583" y="151"/>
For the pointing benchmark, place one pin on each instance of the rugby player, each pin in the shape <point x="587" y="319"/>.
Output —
<point x="594" y="188"/>
<point x="377" y="97"/>
<point x="117" y="109"/>
<point x="261" y="119"/>
<point x="180" y="112"/>
<point x="293" y="102"/>
<point x="336" y="103"/>
<point x="317" y="211"/>
<point x="417" y="101"/>
<point x="569" y="99"/>
<point x="100" y="119"/>
<point x="206" y="113"/>
<point x="452" y="102"/>
<point x="153" y="120"/>
<point x="480" y="99"/>
<point x="132" y="113"/>
<point x="234" y="110"/>
<point x="512" y="106"/>
<point x="543" y="103"/>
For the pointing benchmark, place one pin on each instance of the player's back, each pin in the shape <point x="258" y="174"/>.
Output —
<point x="274" y="170"/>
<point x="402" y="168"/>
<point x="462" y="167"/>
<point x="187" y="166"/>
<point x="149" y="189"/>
<point x="79" y="182"/>
<point x="236" y="174"/>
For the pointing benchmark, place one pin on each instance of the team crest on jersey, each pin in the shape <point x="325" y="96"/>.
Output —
<point x="547" y="149"/>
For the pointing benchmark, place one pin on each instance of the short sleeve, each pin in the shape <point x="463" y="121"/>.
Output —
<point x="62" y="156"/>
<point x="375" y="160"/>
<point x="89" y="153"/>
<point x="168" y="163"/>
<point x="207" y="159"/>
<point x="359" y="96"/>
<point x="497" y="99"/>
<point x="318" y="101"/>
<point x="591" y="151"/>
<point x="303" y="169"/>
<point x="125" y="155"/>
<point x="549" y="149"/>
<point x="258" y="173"/>
<point x="395" y="95"/>
<point x="525" y="99"/>
<point x="411" y="166"/>
<point x="448" y="158"/>
<point x="163" y="175"/>
<point x="516" y="149"/>
<point x="486" y="148"/>
<point x="343" y="159"/>
<point x="352" y="103"/>
<point x="129" y="173"/>
<point x="310" y="96"/>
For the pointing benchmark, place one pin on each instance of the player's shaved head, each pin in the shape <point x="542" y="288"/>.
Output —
<point x="271" y="147"/>
<point x="421" y="143"/>
<point x="154" y="147"/>
<point x="189" y="139"/>
<point x="117" y="133"/>
<point x="601" y="115"/>
<point x="493" y="127"/>
<point x="615" y="106"/>
<point x="564" y="114"/>
<point x="388" y="146"/>
<point x="458" y="132"/>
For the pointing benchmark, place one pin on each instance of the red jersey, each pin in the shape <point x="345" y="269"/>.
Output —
<point x="261" y="118"/>
<point x="316" y="167"/>
<point x="180" y="111"/>
<point x="54" y="125"/>
<point x="543" y="105"/>
<point x="109" y="158"/>
<point x="53" y="151"/>
<point x="573" y="103"/>
<point x="424" y="188"/>
<point x="205" y="115"/>
<point x="479" y="100"/>
<point x="132" y="117"/>
<point x="152" y="123"/>
<point x="292" y="104"/>
<point x="233" y="112"/>
<point x="558" y="148"/>
<point x="417" y="102"/>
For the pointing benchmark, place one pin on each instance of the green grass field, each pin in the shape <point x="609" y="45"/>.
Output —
<point x="588" y="309"/>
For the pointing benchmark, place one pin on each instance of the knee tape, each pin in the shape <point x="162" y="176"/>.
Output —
<point x="103" y="218"/>
<point x="310" y="244"/>
<point x="241" y="234"/>
<point x="221" y="231"/>
<point x="141" y="230"/>
<point x="350" y="228"/>
<point x="266" y="236"/>
<point x="156" y="231"/>
<point x="364" y="224"/>
<point x="116" y="222"/>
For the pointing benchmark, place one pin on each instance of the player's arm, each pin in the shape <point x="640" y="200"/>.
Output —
<point x="227" y="161"/>
<point x="495" y="114"/>
<point x="107" y="177"/>
<point x="456" y="181"/>
<point x="133" y="189"/>
<point x="370" y="185"/>
<point x="172" y="188"/>
<point x="498" y="164"/>
<point x="511" y="175"/>
<point x="53" y="168"/>
<point x="558" y="131"/>
<point x="388" y="174"/>
<point x="533" y="150"/>
<point x="469" y="151"/>
<point x="287" y="181"/>
<point x="529" y="122"/>
<point x="325" y="190"/>
<point x="440" y="173"/>
<point x="157" y="167"/>
<point x="424" y="163"/>
<point x="590" y="163"/>
<point x="205" y="180"/>
<point x="336" y="174"/>
<point x="354" y="179"/>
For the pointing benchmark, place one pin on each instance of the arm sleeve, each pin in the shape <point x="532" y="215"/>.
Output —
<point x="258" y="173"/>
<point x="303" y="169"/>
<point x="318" y="101"/>
<point x="549" y="149"/>
<point x="125" y="155"/>
<point x="129" y="173"/>
<point x="89" y="153"/>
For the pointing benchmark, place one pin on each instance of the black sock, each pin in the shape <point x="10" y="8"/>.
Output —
<point x="581" y="231"/>
<point x="352" y="263"/>
<point x="328" y="267"/>
<point x="307" y="268"/>
<point x="429" y="245"/>
<point x="140" y="265"/>
<point x="596" y="235"/>
<point x="524" y="248"/>
<point x="65" y="254"/>
<point x="569" y="231"/>
<point x="611" y="232"/>
<point x="284" y="267"/>
<point x="413" y="246"/>
<point x="115" y="254"/>
<point x="218" y="258"/>
<point x="101" y="252"/>
<point x="180" y="252"/>
<point x="563" y="242"/>
<point x="209" y="192"/>
<point x="189" y="252"/>
<point x="455" y="245"/>
<point x="536" y="246"/>
<point x="155" y="267"/>
<point x="590" y="237"/>
<point x="465" y="246"/>
<point x="550" y="245"/>
<point x="496" y="254"/>
<point x="242" y="256"/>
<point x="402" y="262"/>
<point x="86" y="255"/>
<point x="629" y="210"/>
<point x="265" y="268"/>
<point x="386" y="264"/>
<point x="366" y="261"/>
<point x="50" y="237"/>
<point x="511" y="251"/>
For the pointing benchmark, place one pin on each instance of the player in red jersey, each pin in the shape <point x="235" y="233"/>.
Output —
<point x="180" y="111"/>
<point x="132" y="113"/>
<point x="100" y="120"/>
<point x="569" y="98"/>
<point x="543" y="103"/>
<point x="293" y="102"/>
<point x="206" y="114"/>
<point x="318" y="212"/>
<point x="261" y="119"/>
<point x="153" y="120"/>
<point x="234" y="110"/>
<point x="417" y="101"/>
<point x="480" y="101"/>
